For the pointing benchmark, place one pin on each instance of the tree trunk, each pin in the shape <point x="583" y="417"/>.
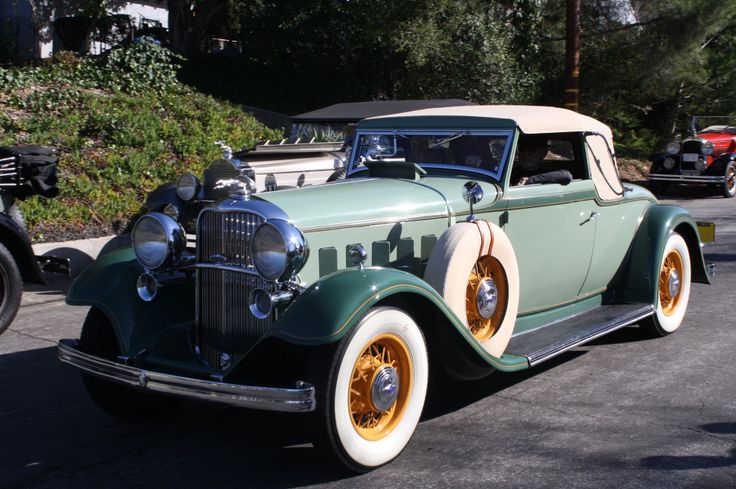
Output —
<point x="572" y="55"/>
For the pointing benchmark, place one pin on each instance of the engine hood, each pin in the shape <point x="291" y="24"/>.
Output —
<point x="366" y="201"/>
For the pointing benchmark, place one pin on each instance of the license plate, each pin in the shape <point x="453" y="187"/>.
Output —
<point x="690" y="157"/>
<point x="707" y="231"/>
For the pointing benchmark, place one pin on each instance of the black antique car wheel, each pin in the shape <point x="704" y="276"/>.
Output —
<point x="729" y="186"/>
<point x="11" y="288"/>
<point x="98" y="338"/>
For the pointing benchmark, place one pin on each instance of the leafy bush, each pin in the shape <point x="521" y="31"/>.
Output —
<point x="123" y="125"/>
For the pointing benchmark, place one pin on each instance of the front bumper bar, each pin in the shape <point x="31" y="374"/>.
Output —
<point x="664" y="177"/>
<point x="299" y="399"/>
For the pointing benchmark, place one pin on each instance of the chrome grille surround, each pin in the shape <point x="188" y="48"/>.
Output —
<point x="225" y="279"/>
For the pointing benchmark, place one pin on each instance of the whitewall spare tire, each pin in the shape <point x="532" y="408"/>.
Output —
<point x="473" y="267"/>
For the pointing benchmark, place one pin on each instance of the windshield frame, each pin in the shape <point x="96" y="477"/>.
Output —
<point x="495" y="175"/>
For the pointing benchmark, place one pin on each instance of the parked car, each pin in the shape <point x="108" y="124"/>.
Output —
<point x="315" y="152"/>
<point x="707" y="156"/>
<point x="332" y="299"/>
<point x="24" y="171"/>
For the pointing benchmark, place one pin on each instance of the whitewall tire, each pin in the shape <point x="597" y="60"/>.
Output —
<point x="673" y="288"/>
<point x="474" y="264"/>
<point x="372" y="397"/>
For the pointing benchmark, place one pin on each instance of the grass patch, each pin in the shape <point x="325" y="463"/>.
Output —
<point x="123" y="126"/>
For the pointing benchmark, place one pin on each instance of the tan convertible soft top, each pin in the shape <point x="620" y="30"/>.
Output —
<point x="530" y="119"/>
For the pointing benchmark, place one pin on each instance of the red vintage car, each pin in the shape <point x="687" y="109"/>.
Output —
<point x="706" y="157"/>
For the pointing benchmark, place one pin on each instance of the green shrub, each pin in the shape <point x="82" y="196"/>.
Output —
<point x="123" y="125"/>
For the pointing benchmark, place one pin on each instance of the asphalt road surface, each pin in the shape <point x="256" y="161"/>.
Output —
<point x="622" y="412"/>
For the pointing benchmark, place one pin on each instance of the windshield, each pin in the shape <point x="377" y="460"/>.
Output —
<point x="481" y="151"/>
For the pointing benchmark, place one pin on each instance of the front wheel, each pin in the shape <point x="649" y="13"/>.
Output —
<point x="372" y="393"/>
<point x="11" y="288"/>
<point x="729" y="186"/>
<point x="98" y="338"/>
<point x="673" y="287"/>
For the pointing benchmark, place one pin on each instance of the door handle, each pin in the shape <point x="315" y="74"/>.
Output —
<point x="593" y="215"/>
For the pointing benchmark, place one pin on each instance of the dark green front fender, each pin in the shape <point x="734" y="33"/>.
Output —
<point x="638" y="280"/>
<point x="331" y="307"/>
<point x="110" y="286"/>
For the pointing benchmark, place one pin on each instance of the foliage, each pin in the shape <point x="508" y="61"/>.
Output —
<point x="119" y="137"/>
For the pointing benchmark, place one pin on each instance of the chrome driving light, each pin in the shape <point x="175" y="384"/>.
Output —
<point x="707" y="148"/>
<point x="262" y="303"/>
<point x="187" y="187"/>
<point x="673" y="147"/>
<point x="668" y="163"/>
<point x="701" y="164"/>
<point x="156" y="239"/>
<point x="279" y="250"/>
<point x="147" y="286"/>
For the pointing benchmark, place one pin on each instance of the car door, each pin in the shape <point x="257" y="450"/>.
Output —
<point x="552" y="226"/>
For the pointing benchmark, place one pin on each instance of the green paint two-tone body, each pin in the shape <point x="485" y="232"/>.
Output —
<point x="317" y="318"/>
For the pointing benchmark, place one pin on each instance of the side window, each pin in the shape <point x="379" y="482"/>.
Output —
<point x="548" y="158"/>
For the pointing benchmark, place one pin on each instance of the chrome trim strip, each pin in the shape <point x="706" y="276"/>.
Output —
<point x="299" y="399"/>
<point x="374" y="222"/>
<point x="686" y="178"/>
<point x="229" y="268"/>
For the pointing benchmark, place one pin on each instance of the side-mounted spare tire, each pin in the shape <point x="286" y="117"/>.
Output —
<point x="473" y="267"/>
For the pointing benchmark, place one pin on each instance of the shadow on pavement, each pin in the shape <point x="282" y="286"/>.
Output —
<point x="688" y="462"/>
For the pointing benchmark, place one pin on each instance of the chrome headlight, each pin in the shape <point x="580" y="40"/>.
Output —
<point x="187" y="187"/>
<point x="279" y="250"/>
<point x="673" y="147"/>
<point x="700" y="164"/>
<point x="157" y="238"/>
<point x="668" y="163"/>
<point x="707" y="148"/>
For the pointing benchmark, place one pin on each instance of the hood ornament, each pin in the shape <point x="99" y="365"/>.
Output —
<point x="227" y="151"/>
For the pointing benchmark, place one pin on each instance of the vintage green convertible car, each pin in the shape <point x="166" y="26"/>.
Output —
<point x="483" y="237"/>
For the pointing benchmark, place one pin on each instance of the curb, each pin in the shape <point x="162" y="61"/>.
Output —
<point x="82" y="252"/>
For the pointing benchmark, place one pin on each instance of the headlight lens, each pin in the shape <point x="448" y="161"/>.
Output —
<point x="156" y="238"/>
<point x="707" y="148"/>
<point x="279" y="250"/>
<point x="668" y="163"/>
<point x="673" y="147"/>
<point x="187" y="187"/>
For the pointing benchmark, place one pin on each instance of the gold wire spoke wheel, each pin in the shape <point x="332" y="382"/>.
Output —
<point x="672" y="269"/>
<point x="384" y="353"/>
<point x="731" y="177"/>
<point x="486" y="268"/>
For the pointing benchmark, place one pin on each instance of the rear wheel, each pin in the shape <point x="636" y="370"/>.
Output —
<point x="729" y="186"/>
<point x="372" y="390"/>
<point x="98" y="338"/>
<point x="11" y="288"/>
<point x="673" y="286"/>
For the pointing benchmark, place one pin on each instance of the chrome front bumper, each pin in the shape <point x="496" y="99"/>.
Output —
<point x="664" y="177"/>
<point x="299" y="399"/>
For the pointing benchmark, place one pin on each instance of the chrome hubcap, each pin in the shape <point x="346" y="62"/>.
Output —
<point x="486" y="299"/>
<point x="385" y="388"/>
<point x="673" y="283"/>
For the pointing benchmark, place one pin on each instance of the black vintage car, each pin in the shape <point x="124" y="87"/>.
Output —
<point x="24" y="171"/>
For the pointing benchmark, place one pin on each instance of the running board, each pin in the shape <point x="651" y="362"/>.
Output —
<point x="550" y="340"/>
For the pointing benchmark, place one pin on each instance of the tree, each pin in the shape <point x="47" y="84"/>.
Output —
<point x="191" y="21"/>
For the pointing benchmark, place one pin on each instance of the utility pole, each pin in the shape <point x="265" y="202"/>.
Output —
<point x="572" y="55"/>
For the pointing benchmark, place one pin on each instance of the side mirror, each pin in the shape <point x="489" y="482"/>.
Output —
<point x="472" y="193"/>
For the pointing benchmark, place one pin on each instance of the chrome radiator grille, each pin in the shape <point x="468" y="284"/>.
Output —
<point x="224" y="323"/>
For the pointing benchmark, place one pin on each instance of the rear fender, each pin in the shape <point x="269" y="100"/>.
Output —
<point x="647" y="249"/>
<point x="15" y="239"/>
<point x="331" y="307"/>
<point x="110" y="286"/>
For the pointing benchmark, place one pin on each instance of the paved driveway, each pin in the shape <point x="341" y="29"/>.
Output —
<point x="623" y="412"/>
